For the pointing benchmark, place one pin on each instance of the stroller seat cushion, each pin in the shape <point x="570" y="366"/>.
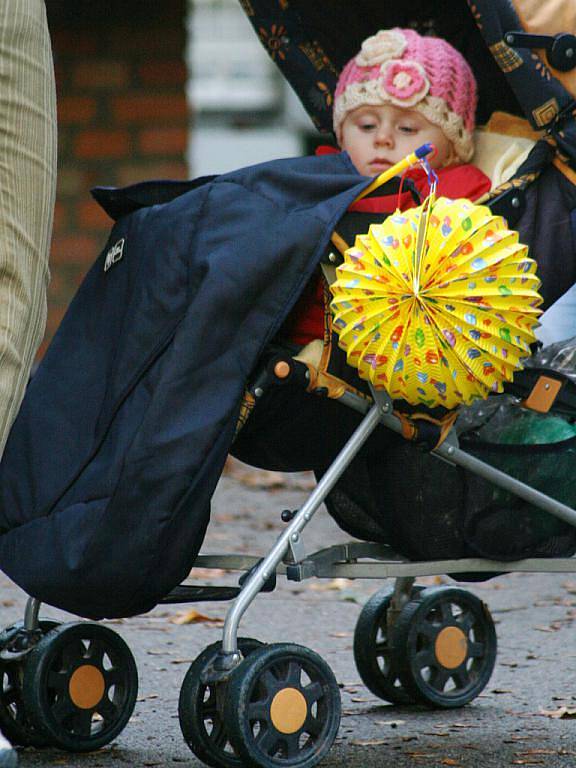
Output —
<point x="502" y="145"/>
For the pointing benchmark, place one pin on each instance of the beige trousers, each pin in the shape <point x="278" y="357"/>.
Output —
<point x="27" y="192"/>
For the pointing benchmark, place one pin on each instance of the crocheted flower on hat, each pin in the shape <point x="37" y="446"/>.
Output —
<point x="385" y="44"/>
<point x="404" y="82"/>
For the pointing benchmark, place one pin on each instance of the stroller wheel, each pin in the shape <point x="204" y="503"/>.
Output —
<point x="200" y="710"/>
<point x="449" y="644"/>
<point x="374" y="655"/>
<point x="282" y="707"/>
<point x="80" y="686"/>
<point x="14" y="721"/>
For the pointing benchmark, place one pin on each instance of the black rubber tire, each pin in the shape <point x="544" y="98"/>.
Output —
<point x="445" y="680"/>
<point x="257" y="691"/>
<point x="200" y="710"/>
<point x="49" y="676"/>
<point x="375" y="655"/>
<point x="14" y="721"/>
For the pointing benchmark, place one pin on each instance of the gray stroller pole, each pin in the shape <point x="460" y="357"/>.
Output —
<point x="229" y="656"/>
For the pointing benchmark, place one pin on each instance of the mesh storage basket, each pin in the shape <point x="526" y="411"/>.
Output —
<point x="507" y="527"/>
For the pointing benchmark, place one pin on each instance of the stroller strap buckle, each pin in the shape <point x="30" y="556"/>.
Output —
<point x="423" y="430"/>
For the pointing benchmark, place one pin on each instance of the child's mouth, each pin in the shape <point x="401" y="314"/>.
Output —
<point x="380" y="164"/>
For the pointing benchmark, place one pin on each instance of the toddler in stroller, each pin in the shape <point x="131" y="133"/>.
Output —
<point x="111" y="437"/>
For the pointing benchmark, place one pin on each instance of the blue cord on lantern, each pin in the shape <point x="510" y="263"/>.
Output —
<point x="431" y="175"/>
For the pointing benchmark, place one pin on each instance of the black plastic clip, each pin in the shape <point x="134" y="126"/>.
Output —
<point x="276" y="370"/>
<point x="510" y="204"/>
<point x="560" y="49"/>
<point x="269" y="584"/>
<point x="427" y="435"/>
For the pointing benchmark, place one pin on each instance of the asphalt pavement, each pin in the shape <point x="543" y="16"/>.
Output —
<point x="525" y="716"/>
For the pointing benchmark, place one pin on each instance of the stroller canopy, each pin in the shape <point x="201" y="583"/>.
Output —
<point x="522" y="75"/>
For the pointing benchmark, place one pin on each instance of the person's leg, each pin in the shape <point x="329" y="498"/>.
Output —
<point x="27" y="192"/>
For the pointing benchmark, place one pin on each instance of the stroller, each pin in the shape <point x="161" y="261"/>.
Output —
<point x="74" y="685"/>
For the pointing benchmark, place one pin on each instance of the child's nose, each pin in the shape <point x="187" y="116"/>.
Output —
<point x="384" y="135"/>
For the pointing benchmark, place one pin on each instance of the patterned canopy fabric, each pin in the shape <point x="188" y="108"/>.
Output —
<point x="310" y="42"/>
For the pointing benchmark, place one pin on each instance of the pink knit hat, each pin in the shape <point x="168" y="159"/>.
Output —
<point x="400" y="67"/>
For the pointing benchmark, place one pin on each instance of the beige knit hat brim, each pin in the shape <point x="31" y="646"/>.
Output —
<point x="434" y="109"/>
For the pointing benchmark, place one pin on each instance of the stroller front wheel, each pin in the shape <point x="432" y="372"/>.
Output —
<point x="283" y="707"/>
<point x="15" y="723"/>
<point x="376" y="652"/>
<point x="449" y="647"/>
<point x="200" y="709"/>
<point x="80" y="686"/>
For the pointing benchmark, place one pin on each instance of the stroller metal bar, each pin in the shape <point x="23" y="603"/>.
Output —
<point x="233" y="562"/>
<point x="31" y="613"/>
<point x="394" y="569"/>
<point x="254" y="584"/>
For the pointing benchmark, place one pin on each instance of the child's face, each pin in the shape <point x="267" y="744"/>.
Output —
<point x="378" y="137"/>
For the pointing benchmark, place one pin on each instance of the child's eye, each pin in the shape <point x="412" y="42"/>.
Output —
<point x="408" y="129"/>
<point x="367" y="126"/>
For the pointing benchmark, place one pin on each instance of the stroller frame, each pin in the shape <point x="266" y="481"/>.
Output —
<point x="341" y="560"/>
<point x="288" y="556"/>
<point x="222" y="680"/>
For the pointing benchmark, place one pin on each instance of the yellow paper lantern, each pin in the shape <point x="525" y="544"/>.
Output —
<point x="437" y="305"/>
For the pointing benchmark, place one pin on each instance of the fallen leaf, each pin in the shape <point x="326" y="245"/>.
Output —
<point x="340" y="634"/>
<point x="449" y="761"/>
<point x="267" y="479"/>
<point x="206" y="573"/>
<point x="357" y="712"/>
<point x="431" y="581"/>
<point x="368" y="742"/>
<point x="391" y="723"/>
<point x="562" y="713"/>
<point x="329" y="586"/>
<point x="510" y="609"/>
<point x="194" y="617"/>
<point x="147" y="696"/>
<point x="259" y="478"/>
<point x="269" y="525"/>
<point x="420" y="755"/>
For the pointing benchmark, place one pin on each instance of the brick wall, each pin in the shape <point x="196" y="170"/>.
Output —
<point x="122" y="118"/>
